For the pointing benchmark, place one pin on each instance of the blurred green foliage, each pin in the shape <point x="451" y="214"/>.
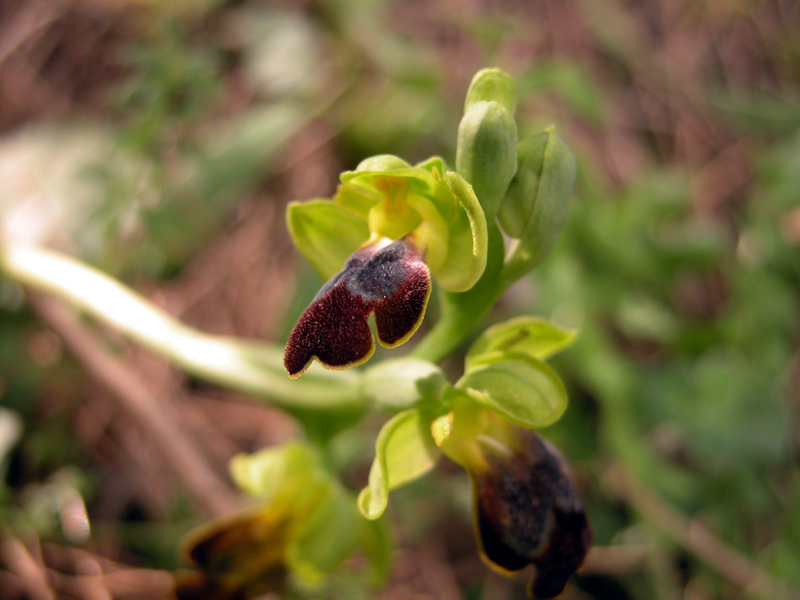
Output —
<point x="685" y="368"/>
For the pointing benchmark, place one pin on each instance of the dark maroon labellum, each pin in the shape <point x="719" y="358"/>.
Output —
<point x="528" y="512"/>
<point x="393" y="282"/>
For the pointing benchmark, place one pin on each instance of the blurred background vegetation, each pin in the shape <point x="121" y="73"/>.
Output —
<point x="160" y="140"/>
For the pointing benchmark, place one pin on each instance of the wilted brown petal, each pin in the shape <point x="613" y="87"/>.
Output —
<point x="393" y="282"/>
<point x="238" y="556"/>
<point x="528" y="512"/>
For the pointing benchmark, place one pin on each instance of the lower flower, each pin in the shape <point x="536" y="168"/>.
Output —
<point x="303" y="527"/>
<point x="526" y="507"/>
<point x="527" y="511"/>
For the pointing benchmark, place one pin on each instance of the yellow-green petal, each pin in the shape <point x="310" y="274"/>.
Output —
<point x="404" y="451"/>
<point x="468" y="241"/>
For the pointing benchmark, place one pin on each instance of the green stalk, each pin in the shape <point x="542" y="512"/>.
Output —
<point x="461" y="312"/>
<point x="250" y="367"/>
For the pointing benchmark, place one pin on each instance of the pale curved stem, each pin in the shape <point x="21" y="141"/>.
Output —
<point x="249" y="367"/>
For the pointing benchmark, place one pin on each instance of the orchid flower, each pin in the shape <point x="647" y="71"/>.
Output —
<point x="526" y="507"/>
<point x="389" y="228"/>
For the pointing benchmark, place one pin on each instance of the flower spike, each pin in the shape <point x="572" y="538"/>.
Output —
<point x="390" y="279"/>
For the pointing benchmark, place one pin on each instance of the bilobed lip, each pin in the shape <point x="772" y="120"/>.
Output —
<point x="390" y="280"/>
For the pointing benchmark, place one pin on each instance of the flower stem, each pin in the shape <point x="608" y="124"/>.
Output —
<point x="462" y="311"/>
<point x="249" y="367"/>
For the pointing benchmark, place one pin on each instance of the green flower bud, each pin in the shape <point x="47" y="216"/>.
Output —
<point x="536" y="202"/>
<point x="492" y="85"/>
<point x="486" y="153"/>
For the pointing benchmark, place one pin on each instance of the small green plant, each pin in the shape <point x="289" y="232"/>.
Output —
<point x="390" y="233"/>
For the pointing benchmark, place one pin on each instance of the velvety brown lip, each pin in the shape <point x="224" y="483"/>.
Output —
<point x="528" y="512"/>
<point x="392" y="281"/>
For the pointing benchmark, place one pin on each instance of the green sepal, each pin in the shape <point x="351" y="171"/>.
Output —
<point x="382" y="163"/>
<point x="486" y="152"/>
<point x="325" y="537"/>
<point x="492" y="85"/>
<point x="468" y="243"/>
<point x="264" y="473"/>
<point x="533" y="336"/>
<point x="536" y="201"/>
<point x="325" y="234"/>
<point x="521" y="388"/>
<point x="401" y="383"/>
<point x="458" y="225"/>
<point x="404" y="451"/>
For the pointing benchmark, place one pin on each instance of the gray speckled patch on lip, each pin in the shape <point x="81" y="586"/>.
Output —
<point x="378" y="277"/>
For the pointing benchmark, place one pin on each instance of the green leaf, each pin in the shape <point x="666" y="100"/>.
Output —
<point x="325" y="234"/>
<point x="404" y="451"/>
<point x="519" y="387"/>
<point x="254" y="368"/>
<point x="398" y="384"/>
<point x="532" y="336"/>
<point x="535" y="204"/>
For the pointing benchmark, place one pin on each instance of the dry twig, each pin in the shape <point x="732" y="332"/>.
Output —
<point x="696" y="538"/>
<point x="31" y="575"/>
